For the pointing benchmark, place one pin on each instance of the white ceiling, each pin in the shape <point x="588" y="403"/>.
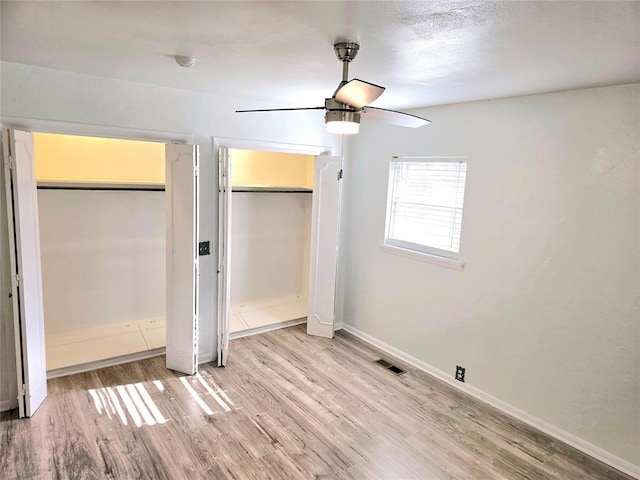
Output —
<point x="425" y="52"/>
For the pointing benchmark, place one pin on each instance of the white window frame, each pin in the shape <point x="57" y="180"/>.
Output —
<point x="438" y="255"/>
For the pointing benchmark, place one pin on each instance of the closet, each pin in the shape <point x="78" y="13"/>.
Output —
<point x="101" y="209"/>
<point x="270" y="239"/>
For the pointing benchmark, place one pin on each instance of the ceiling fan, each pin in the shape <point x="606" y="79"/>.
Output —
<point x="351" y="99"/>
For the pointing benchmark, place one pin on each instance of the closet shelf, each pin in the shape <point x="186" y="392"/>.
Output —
<point x="270" y="189"/>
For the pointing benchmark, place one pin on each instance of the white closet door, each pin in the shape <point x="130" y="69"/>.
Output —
<point x="323" y="260"/>
<point x="24" y="246"/>
<point x="224" y="254"/>
<point x="182" y="257"/>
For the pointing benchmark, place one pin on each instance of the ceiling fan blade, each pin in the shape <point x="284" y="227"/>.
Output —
<point x="279" y="109"/>
<point x="358" y="93"/>
<point x="395" y="118"/>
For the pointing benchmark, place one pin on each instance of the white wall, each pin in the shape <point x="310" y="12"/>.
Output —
<point x="44" y="94"/>
<point x="103" y="257"/>
<point x="269" y="244"/>
<point x="546" y="313"/>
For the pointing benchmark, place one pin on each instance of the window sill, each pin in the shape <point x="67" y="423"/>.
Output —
<point x="424" y="257"/>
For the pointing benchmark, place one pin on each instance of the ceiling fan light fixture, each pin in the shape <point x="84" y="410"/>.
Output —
<point x="344" y="128"/>
<point x="345" y="122"/>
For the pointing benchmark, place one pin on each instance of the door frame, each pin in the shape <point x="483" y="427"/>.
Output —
<point x="90" y="130"/>
<point x="222" y="337"/>
<point x="94" y="130"/>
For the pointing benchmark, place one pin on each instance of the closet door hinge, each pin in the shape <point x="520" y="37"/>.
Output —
<point x="18" y="280"/>
<point x="9" y="162"/>
<point x="340" y="174"/>
<point x="22" y="391"/>
<point x="196" y="170"/>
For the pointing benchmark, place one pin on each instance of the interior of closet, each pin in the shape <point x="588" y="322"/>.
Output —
<point x="101" y="212"/>
<point x="270" y="239"/>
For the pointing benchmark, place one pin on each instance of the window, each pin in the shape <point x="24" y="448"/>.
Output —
<point x="424" y="211"/>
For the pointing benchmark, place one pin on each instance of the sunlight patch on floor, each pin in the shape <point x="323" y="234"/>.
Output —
<point x="132" y="404"/>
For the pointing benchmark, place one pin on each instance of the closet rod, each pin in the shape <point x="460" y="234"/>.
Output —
<point x="271" y="190"/>
<point x="124" y="189"/>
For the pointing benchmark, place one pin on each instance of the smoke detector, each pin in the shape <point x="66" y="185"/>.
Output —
<point x="185" y="61"/>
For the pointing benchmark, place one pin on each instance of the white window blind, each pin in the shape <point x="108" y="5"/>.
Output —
<point x="425" y="202"/>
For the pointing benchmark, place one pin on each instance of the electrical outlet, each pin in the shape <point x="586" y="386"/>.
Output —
<point x="460" y="373"/>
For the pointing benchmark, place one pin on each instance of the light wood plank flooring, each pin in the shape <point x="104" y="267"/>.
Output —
<point x="287" y="406"/>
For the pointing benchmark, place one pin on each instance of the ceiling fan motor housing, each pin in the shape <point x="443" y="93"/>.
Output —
<point x="339" y="112"/>
<point x="342" y="116"/>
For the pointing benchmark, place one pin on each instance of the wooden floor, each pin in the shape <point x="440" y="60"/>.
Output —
<point x="287" y="406"/>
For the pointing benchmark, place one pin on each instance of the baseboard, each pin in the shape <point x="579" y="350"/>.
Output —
<point x="596" y="452"/>
<point x="109" y="362"/>
<point x="8" y="405"/>
<point x="338" y="326"/>
<point x="266" y="328"/>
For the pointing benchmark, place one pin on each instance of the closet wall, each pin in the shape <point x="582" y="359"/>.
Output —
<point x="103" y="257"/>
<point x="74" y="159"/>
<point x="102" y="250"/>
<point x="252" y="168"/>
<point x="271" y="222"/>
<point x="269" y="238"/>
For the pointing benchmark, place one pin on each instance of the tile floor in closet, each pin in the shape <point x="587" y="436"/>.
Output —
<point x="263" y="313"/>
<point x="76" y="347"/>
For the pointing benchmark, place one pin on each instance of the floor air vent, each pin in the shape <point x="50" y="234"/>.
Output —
<point x="390" y="367"/>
